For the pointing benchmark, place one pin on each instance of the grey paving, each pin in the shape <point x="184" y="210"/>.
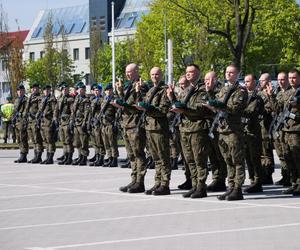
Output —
<point x="69" y="207"/>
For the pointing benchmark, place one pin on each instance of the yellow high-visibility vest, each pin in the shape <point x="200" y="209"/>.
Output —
<point x="7" y="111"/>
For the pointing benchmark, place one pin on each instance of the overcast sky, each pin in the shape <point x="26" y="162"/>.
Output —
<point x="25" y="11"/>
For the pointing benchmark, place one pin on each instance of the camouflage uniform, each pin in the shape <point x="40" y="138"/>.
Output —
<point x="21" y="132"/>
<point x="194" y="139"/>
<point x="48" y="130"/>
<point x="34" y="134"/>
<point x="231" y="140"/>
<point x="62" y="115"/>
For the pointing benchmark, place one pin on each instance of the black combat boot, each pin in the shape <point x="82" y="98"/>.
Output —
<point x="187" y="185"/>
<point x="62" y="162"/>
<point x="200" y="192"/>
<point x="99" y="161"/>
<point x="224" y="196"/>
<point x="83" y="161"/>
<point x="151" y="190"/>
<point x="290" y="190"/>
<point x="47" y="157"/>
<point x="189" y="193"/>
<point x="235" y="195"/>
<point x="22" y="158"/>
<point x="125" y="188"/>
<point x="69" y="159"/>
<point x="38" y="158"/>
<point x="50" y="159"/>
<point x="61" y="157"/>
<point x="34" y="157"/>
<point x="77" y="160"/>
<point x="296" y="192"/>
<point x="174" y="163"/>
<point x="254" y="188"/>
<point x="114" y="162"/>
<point x="93" y="159"/>
<point x="285" y="180"/>
<point x="107" y="162"/>
<point x="216" y="186"/>
<point x="162" y="190"/>
<point x="138" y="187"/>
<point x="124" y="160"/>
<point x="92" y="163"/>
<point x="126" y="165"/>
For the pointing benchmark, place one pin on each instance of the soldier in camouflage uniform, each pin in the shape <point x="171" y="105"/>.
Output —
<point x="278" y="142"/>
<point x="156" y="106"/>
<point x="45" y="122"/>
<point x="290" y="102"/>
<point x="217" y="163"/>
<point x="18" y="121"/>
<point x="79" y="123"/>
<point x="61" y="117"/>
<point x="34" y="134"/>
<point x="109" y="128"/>
<point x="94" y="121"/>
<point x="232" y="100"/>
<point x="194" y="131"/>
<point x="252" y="130"/>
<point x="267" y="157"/>
<point x="134" y="139"/>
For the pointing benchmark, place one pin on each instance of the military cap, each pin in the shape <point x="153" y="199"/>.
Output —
<point x="94" y="86"/>
<point x="9" y="98"/>
<point x="80" y="85"/>
<point x="20" y="86"/>
<point x="35" y="85"/>
<point x="108" y="86"/>
<point x="63" y="85"/>
<point x="47" y="86"/>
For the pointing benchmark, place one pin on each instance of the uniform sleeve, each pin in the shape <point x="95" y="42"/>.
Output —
<point x="163" y="108"/>
<point x="237" y="102"/>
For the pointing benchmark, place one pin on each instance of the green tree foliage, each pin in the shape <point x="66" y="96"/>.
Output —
<point x="213" y="33"/>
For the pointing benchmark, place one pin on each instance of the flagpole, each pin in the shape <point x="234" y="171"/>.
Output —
<point x="113" y="43"/>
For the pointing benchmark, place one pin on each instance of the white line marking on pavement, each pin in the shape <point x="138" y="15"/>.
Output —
<point x="74" y="204"/>
<point x="121" y="218"/>
<point x="237" y="230"/>
<point x="33" y="195"/>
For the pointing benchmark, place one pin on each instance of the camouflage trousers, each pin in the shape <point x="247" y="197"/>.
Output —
<point x="292" y="155"/>
<point x="195" y="150"/>
<point x="160" y="152"/>
<point x="66" y="138"/>
<point x="135" y="143"/>
<point x="97" y="141"/>
<point x="110" y="140"/>
<point x="232" y="149"/>
<point x="22" y="138"/>
<point x="279" y="148"/>
<point x="35" y="136"/>
<point x="48" y="138"/>
<point x="81" y="140"/>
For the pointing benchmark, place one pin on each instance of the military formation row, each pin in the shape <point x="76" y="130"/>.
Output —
<point x="229" y="125"/>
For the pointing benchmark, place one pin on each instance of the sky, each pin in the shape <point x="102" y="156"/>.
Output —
<point x="25" y="11"/>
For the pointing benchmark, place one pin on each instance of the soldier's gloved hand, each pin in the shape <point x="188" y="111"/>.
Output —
<point x="146" y="106"/>
<point x="217" y="104"/>
<point x="179" y="105"/>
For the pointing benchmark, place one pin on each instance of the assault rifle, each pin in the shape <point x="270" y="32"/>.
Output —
<point x="40" y="114"/>
<point x="222" y="115"/>
<point x="17" y="113"/>
<point x="285" y="115"/>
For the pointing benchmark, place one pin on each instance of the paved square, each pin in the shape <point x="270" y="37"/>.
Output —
<point x="71" y="207"/>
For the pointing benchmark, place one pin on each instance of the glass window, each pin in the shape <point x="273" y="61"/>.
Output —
<point x="37" y="32"/>
<point x="87" y="53"/>
<point x="75" y="54"/>
<point x="42" y="53"/>
<point x="31" y="56"/>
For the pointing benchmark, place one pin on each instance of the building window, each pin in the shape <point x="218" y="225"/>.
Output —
<point x="87" y="79"/>
<point x="42" y="53"/>
<point x="4" y="65"/>
<point x="31" y="56"/>
<point x="87" y="53"/>
<point x="75" y="54"/>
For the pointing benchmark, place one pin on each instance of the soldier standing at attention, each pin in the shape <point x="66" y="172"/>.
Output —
<point x="267" y="157"/>
<point x="109" y="128"/>
<point x="156" y="105"/>
<point x="217" y="163"/>
<point x="62" y="116"/>
<point x="18" y="121"/>
<point x="45" y="123"/>
<point x="194" y="131"/>
<point x="252" y="131"/>
<point x="232" y="101"/>
<point x="34" y="134"/>
<point x="95" y="125"/>
<point x="290" y="103"/>
<point x="79" y="123"/>
<point x="134" y="138"/>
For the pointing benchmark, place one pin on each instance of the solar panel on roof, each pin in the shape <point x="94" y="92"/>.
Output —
<point x="36" y="32"/>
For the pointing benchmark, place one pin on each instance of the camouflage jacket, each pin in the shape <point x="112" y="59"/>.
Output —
<point x="63" y="109"/>
<point x="32" y="107"/>
<point x="19" y="114"/>
<point x="81" y="110"/>
<point x="49" y="104"/>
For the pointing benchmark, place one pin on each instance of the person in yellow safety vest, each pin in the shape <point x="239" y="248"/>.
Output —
<point x="7" y="111"/>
